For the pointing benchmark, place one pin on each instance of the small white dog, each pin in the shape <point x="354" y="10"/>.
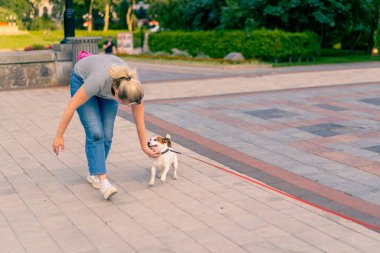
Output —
<point x="167" y="158"/>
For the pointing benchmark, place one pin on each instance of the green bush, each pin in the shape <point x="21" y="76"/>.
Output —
<point x="5" y="14"/>
<point x="42" y="23"/>
<point x="259" y="44"/>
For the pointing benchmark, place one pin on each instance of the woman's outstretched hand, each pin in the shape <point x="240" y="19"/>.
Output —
<point x="151" y="153"/>
<point x="58" y="143"/>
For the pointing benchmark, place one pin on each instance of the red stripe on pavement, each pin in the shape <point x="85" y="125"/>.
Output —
<point x="318" y="189"/>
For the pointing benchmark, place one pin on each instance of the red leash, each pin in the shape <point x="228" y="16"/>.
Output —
<point x="373" y="227"/>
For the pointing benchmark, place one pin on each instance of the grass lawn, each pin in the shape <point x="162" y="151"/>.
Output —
<point x="332" y="59"/>
<point x="19" y="42"/>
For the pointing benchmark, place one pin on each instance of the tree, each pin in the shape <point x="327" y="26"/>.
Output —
<point x="375" y="26"/>
<point x="58" y="10"/>
<point x="106" y="15"/>
<point x="129" y="15"/>
<point x="349" y="21"/>
<point x="90" y="17"/>
<point x="170" y="13"/>
<point x="203" y="14"/>
<point x="22" y="8"/>
<point x="81" y="13"/>
<point x="238" y="14"/>
<point x="103" y="7"/>
<point x="5" y="14"/>
<point x="121" y="10"/>
<point x="372" y="19"/>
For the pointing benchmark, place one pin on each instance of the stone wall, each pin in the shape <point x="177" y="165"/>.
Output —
<point x="35" y="68"/>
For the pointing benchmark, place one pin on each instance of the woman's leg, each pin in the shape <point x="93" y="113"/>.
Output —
<point x="108" y="111"/>
<point x="90" y="117"/>
<point x="89" y="114"/>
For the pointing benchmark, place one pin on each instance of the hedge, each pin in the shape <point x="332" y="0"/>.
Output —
<point x="259" y="44"/>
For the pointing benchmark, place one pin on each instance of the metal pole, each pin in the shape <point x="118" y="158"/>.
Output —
<point x="69" y="21"/>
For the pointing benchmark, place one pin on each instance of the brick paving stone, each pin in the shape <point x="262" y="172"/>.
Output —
<point x="269" y="232"/>
<point x="373" y="196"/>
<point x="313" y="237"/>
<point x="71" y="240"/>
<point x="236" y="233"/>
<point x="265" y="247"/>
<point x="146" y="243"/>
<point x="39" y="242"/>
<point x="9" y="241"/>
<point x="211" y="240"/>
<point x="205" y="210"/>
<point x="360" y="242"/>
<point x="336" y="246"/>
<point x="180" y="241"/>
<point x="289" y="243"/>
<point x="373" y="169"/>
<point x="119" y="248"/>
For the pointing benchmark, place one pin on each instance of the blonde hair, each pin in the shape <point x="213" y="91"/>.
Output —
<point x="126" y="81"/>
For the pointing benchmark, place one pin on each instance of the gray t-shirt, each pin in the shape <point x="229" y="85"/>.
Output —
<point x="94" y="72"/>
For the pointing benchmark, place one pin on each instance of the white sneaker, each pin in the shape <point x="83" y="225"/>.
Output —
<point x="94" y="181"/>
<point x="107" y="189"/>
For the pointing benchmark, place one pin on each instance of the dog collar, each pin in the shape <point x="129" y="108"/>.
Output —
<point x="171" y="150"/>
<point x="165" y="151"/>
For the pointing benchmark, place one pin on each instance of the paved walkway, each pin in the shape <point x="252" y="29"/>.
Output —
<point x="279" y="138"/>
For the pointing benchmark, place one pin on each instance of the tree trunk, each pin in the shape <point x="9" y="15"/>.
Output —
<point x="89" y="27"/>
<point x="106" y="17"/>
<point x="129" y="15"/>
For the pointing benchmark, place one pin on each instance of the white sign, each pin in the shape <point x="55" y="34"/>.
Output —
<point x="125" y="43"/>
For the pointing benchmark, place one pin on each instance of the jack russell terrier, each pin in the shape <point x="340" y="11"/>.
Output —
<point x="167" y="158"/>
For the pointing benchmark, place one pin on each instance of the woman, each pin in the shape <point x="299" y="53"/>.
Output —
<point x="98" y="84"/>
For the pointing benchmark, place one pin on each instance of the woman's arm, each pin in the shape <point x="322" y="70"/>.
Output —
<point x="77" y="100"/>
<point x="138" y="115"/>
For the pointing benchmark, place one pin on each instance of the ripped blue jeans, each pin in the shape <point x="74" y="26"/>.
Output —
<point x="97" y="116"/>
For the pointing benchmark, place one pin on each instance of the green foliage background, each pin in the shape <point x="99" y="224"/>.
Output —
<point x="349" y="22"/>
<point x="259" y="44"/>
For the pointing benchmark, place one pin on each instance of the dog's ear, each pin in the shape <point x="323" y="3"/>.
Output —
<point x="168" y="141"/>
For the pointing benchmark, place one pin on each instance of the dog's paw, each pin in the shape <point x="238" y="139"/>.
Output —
<point x="151" y="183"/>
<point x="175" y="177"/>
<point x="163" y="179"/>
